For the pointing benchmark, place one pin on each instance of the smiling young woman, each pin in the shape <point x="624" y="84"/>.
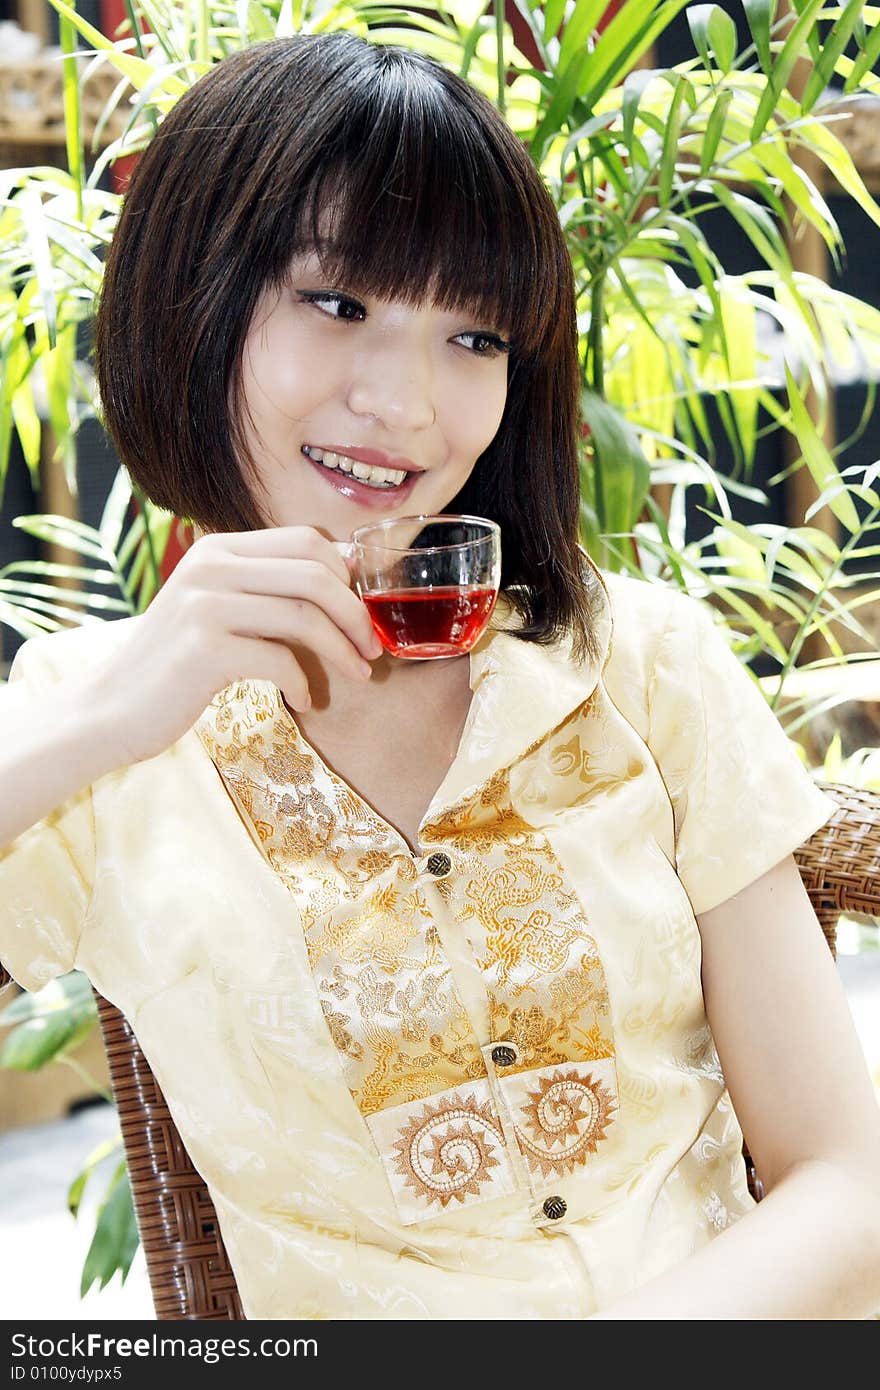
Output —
<point x="403" y="187"/>
<point x="447" y="972"/>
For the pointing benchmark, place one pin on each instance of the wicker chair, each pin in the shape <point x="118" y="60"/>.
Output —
<point x="189" y="1271"/>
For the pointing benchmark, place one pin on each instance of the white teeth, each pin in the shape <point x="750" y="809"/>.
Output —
<point x="365" y="472"/>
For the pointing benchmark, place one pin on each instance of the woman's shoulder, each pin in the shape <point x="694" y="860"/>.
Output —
<point x="642" y="612"/>
<point x="642" y="609"/>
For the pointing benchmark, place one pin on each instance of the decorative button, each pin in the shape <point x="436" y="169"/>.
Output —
<point x="555" y="1207"/>
<point x="439" y="864"/>
<point x="503" y="1056"/>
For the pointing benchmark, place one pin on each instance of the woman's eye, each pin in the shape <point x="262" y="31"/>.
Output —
<point x="339" y="306"/>
<point x="486" y="344"/>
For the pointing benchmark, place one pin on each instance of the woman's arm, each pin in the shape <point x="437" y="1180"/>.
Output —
<point x="51" y="746"/>
<point x="797" y="1078"/>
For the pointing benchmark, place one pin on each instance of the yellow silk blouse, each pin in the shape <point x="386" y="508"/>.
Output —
<point x="475" y="1082"/>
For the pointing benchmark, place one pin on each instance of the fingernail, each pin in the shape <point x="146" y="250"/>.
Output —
<point x="367" y="669"/>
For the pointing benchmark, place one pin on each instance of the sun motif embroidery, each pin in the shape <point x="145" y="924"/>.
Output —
<point x="564" y="1121"/>
<point x="447" y="1150"/>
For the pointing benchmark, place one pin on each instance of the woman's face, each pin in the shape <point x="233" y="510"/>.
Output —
<point x="325" y="372"/>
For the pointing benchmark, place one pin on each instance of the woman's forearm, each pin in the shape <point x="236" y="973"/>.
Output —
<point x="809" y="1250"/>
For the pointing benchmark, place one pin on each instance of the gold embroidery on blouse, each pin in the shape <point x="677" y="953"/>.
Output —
<point x="544" y="975"/>
<point x="339" y="1033"/>
<point x="564" y="1120"/>
<point x="387" y="991"/>
<point x="395" y="997"/>
<point x="568" y="759"/>
<point x="446" y="1152"/>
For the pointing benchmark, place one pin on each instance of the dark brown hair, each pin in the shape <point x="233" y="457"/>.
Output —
<point x="430" y="196"/>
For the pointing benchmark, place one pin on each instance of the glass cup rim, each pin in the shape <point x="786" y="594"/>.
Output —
<point x="493" y="530"/>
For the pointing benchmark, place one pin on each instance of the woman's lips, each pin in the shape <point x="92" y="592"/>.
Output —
<point x="377" y="498"/>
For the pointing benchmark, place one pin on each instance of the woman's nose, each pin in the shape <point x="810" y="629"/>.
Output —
<point x="396" y="386"/>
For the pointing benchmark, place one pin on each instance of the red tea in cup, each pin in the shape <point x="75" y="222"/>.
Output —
<point x="429" y="582"/>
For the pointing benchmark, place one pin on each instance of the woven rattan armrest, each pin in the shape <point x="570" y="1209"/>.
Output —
<point x="840" y="863"/>
<point x="189" y="1270"/>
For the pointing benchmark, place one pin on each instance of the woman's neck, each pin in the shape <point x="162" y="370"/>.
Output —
<point x="398" y="690"/>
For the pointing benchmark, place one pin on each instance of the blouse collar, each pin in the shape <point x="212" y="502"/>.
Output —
<point x="521" y="690"/>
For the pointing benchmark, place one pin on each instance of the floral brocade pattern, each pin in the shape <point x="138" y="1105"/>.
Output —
<point x="543" y="973"/>
<point x="387" y="989"/>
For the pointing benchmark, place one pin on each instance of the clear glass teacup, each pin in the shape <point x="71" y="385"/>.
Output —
<point x="429" y="582"/>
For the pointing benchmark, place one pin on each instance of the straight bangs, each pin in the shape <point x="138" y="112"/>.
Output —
<point x="407" y="199"/>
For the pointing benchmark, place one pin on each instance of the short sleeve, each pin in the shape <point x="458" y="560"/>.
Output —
<point x="46" y="874"/>
<point x="741" y="797"/>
